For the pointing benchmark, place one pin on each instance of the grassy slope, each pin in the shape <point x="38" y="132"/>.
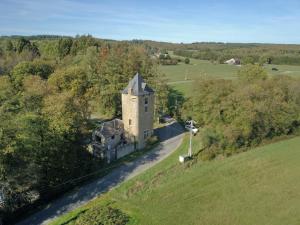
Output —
<point x="257" y="187"/>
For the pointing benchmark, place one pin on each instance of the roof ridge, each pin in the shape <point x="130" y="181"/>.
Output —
<point x="137" y="86"/>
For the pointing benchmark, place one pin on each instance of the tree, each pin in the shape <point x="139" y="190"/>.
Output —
<point x="34" y="91"/>
<point x="42" y="68"/>
<point x="82" y="43"/>
<point x="74" y="86"/>
<point x="262" y="60"/>
<point x="20" y="71"/>
<point x="63" y="114"/>
<point x="9" y="46"/>
<point x="187" y="61"/>
<point x="6" y="89"/>
<point x="22" y="43"/>
<point x="64" y="46"/>
<point x="248" y="60"/>
<point x="23" y="69"/>
<point x="269" y="60"/>
<point x="252" y="73"/>
<point x="241" y="114"/>
<point x="25" y="45"/>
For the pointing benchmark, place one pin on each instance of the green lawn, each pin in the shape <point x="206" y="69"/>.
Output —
<point x="181" y="76"/>
<point x="260" y="186"/>
<point x="293" y="71"/>
<point x="197" y="69"/>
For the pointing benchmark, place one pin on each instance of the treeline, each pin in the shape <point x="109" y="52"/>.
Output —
<point x="235" y="115"/>
<point x="247" y="54"/>
<point x="221" y="52"/>
<point x="48" y="91"/>
<point x="35" y="37"/>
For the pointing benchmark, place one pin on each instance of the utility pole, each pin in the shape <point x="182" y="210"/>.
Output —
<point x="191" y="136"/>
<point x="183" y="158"/>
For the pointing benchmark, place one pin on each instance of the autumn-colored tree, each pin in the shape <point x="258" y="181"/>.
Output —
<point x="252" y="73"/>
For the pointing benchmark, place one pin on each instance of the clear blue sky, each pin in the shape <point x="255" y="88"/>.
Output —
<point x="272" y="21"/>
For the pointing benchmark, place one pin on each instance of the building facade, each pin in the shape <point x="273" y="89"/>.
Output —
<point x="117" y="138"/>
<point x="138" y="110"/>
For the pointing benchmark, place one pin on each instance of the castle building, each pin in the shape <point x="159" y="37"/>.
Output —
<point x="117" y="138"/>
<point x="138" y="110"/>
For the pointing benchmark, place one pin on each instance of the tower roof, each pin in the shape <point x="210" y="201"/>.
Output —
<point x="137" y="86"/>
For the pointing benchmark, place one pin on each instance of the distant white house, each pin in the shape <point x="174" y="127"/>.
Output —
<point x="233" y="61"/>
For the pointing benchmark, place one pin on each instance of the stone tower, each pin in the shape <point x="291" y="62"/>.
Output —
<point x="138" y="110"/>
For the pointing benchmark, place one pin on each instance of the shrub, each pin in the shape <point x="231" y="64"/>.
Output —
<point x="152" y="141"/>
<point x="187" y="61"/>
<point x="102" y="215"/>
<point x="252" y="72"/>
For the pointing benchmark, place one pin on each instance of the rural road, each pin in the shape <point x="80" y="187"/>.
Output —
<point x="171" y="137"/>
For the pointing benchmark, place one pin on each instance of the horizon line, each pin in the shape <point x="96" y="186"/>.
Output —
<point x="137" y="39"/>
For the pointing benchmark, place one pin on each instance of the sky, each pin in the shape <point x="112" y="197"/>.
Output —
<point x="255" y="21"/>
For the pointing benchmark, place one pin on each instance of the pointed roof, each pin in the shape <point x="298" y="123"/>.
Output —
<point x="137" y="86"/>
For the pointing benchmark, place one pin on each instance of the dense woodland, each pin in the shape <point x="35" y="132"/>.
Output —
<point x="50" y="86"/>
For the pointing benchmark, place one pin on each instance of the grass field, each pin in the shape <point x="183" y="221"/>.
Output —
<point x="260" y="186"/>
<point x="181" y="76"/>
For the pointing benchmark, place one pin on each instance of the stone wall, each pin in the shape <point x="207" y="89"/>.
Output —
<point x="138" y="116"/>
<point x="124" y="150"/>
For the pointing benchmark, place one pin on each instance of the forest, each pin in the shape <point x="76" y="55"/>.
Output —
<point x="49" y="89"/>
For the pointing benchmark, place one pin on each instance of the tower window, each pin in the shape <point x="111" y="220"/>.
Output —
<point x="130" y="122"/>
<point x="146" y="101"/>
<point x="146" y="108"/>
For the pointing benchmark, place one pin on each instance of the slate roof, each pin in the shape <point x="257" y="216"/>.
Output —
<point x="138" y="86"/>
<point x="110" y="128"/>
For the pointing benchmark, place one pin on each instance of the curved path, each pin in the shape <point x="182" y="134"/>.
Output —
<point x="171" y="137"/>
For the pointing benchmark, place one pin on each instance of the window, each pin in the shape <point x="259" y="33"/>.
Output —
<point x="145" y="134"/>
<point x="146" y="108"/>
<point x="130" y="122"/>
<point x="98" y="139"/>
<point x="146" y="101"/>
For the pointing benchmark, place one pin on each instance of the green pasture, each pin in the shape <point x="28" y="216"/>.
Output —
<point x="182" y="76"/>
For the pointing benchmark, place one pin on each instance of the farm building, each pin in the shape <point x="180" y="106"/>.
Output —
<point x="233" y="61"/>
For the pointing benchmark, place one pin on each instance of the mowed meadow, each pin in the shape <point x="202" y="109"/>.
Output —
<point x="181" y="76"/>
<point x="260" y="186"/>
